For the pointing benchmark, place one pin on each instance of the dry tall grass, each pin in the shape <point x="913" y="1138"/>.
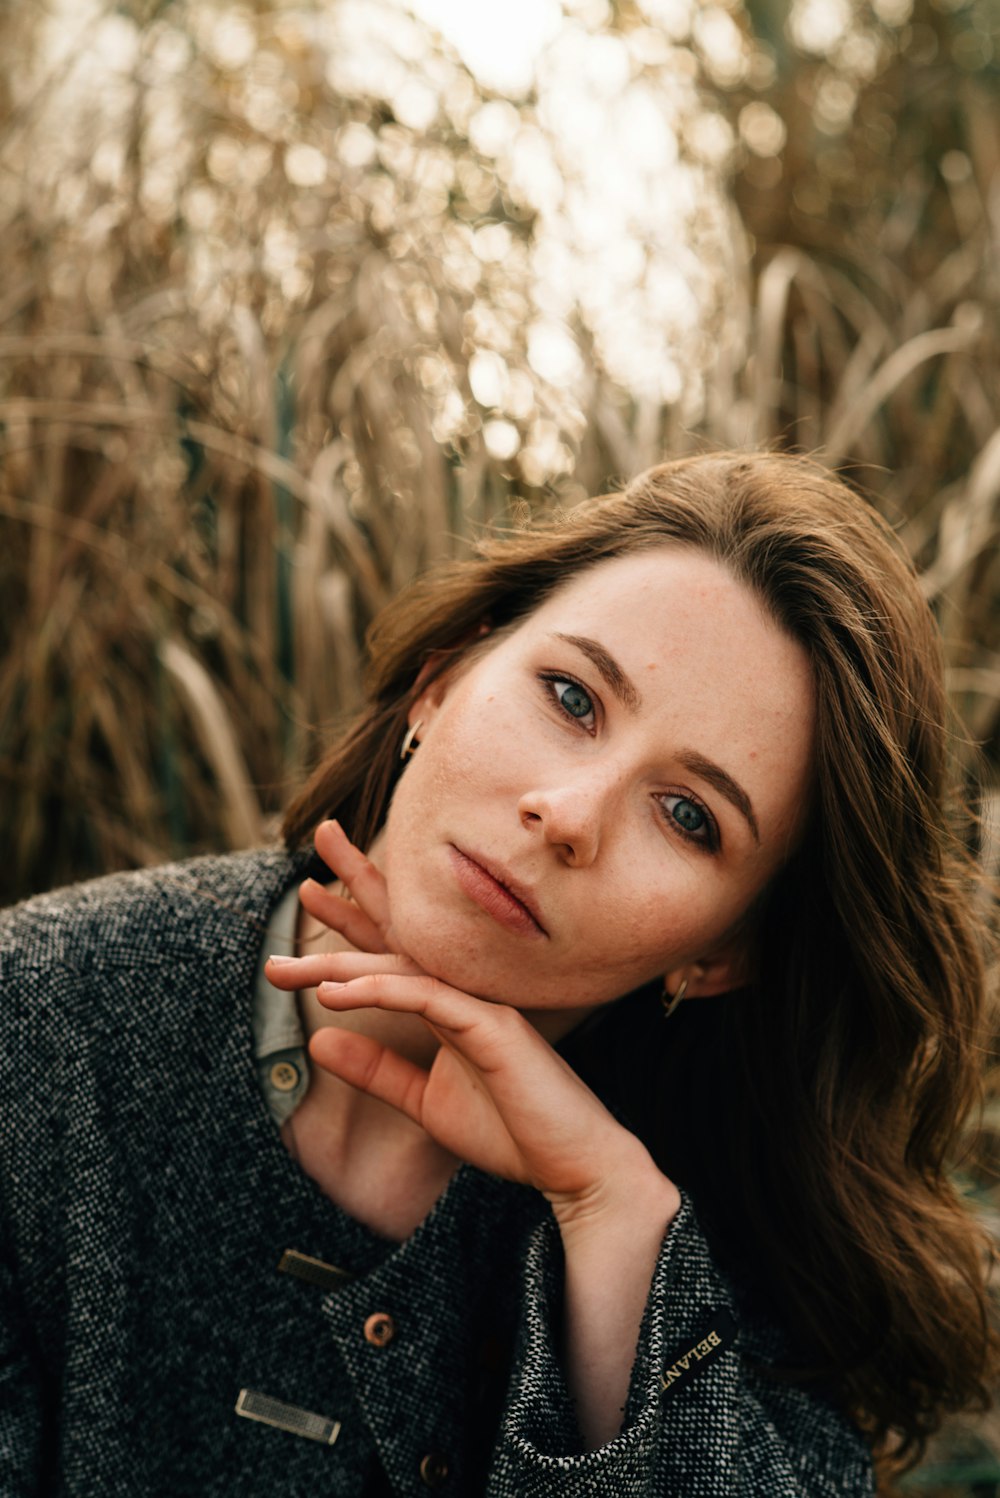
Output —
<point x="240" y="302"/>
<point x="229" y="411"/>
<point x="240" y="297"/>
<point x="246" y="286"/>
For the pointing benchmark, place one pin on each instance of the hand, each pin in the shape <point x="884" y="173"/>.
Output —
<point x="362" y="920"/>
<point x="496" y="1094"/>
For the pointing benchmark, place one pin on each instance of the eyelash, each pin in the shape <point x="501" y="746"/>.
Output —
<point x="553" y="678"/>
<point x="710" y="842"/>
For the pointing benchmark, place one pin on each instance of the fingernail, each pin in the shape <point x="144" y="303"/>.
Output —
<point x="278" y="960"/>
<point x="329" y="987"/>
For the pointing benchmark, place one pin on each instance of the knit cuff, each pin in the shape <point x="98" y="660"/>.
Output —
<point x="686" y="1339"/>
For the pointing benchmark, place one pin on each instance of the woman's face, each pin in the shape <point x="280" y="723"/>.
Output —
<point x="599" y="795"/>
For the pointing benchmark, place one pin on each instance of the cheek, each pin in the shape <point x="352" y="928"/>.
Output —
<point x="644" y="937"/>
<point x="650" y="924"/>
<point x="478" y="746"/>
<point x="628" y="929"/>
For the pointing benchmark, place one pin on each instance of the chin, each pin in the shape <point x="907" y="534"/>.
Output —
<point x="464" y="958"/>
<point x="445" y="948"/>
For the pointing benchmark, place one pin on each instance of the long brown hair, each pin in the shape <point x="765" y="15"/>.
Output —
<point x="813" y="1117"/>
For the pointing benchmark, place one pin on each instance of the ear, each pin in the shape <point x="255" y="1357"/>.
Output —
<point x="726" y="968"/>
<point x="430" y="691"/>
<point x="438" y="674"/>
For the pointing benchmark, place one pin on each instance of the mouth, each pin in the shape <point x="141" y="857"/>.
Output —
<point x="493" y="890"/>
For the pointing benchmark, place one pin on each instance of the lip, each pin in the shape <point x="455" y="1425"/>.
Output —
<point x="495" y="891"/>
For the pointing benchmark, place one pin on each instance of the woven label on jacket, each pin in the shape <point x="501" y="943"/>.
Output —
<point x="695" y="1356"/>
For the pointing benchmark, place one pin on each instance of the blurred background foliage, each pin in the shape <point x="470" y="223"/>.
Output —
<point x="296" y="298"/>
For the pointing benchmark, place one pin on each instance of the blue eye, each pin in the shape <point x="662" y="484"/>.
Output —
<point x="692" y="821"/>
<point x="687" y="815"/>
<point x="573" y="698"/>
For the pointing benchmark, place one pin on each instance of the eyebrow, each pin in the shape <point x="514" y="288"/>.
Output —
<point x="698" y="764"/>
<point x="609" y="668"/>
<point x="724" y="784"/>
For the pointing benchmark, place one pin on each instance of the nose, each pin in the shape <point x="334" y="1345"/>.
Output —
<point x="573" y="815"/>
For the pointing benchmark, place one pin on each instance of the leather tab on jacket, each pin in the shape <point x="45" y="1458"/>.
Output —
<point x="313" y="1271"/>
<point x="253" y="1405"/>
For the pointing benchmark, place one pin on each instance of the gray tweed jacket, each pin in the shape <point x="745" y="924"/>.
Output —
<point x="183" y="1312"/>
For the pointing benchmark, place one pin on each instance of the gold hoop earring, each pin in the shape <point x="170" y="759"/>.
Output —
<point x="410" y="742"/>
<point x="670" y="1001"/>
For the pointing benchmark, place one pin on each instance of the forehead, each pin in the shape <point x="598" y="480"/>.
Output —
<point x="674" y="582"/>
<point x="671" y="602"/>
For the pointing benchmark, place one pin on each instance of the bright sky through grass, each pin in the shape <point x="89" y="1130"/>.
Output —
<point x="598" y="134"/>
<point x="499" y="43"/>
<point x="625" y="174"/>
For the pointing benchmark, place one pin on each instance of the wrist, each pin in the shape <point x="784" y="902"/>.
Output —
<point x="631" y="1196"/>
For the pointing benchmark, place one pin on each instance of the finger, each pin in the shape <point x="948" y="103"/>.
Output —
<point x="371" y="1067"/>
<point x="469" y="1128"/>
<point x="339" y="967"/>
<point x="354" y="870"/>
<point x="535" y="1091"/>
<point x="481" y="1031"/>
<point x="341" y="915"/>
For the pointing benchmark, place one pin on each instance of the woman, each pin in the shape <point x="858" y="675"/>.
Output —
<point x="677" y="753"/>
